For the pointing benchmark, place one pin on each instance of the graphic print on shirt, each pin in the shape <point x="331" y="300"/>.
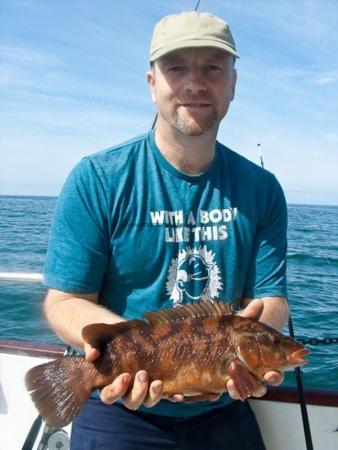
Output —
<point x="193" y="275"/>
<point x="204" y="226"/>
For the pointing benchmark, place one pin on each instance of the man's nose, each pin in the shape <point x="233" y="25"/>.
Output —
<point x="195" y="81"/>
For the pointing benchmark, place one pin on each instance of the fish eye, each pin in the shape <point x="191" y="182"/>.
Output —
<point x="276" y="339"/>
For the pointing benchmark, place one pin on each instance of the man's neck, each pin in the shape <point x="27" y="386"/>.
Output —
<point x="190" y="155"/>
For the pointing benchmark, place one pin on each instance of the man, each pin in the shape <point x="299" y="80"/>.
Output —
<point x="169" y="217"/>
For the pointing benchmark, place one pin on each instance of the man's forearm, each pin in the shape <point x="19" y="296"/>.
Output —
<point x="275" y="312"/>
<point x="68" y="314"/>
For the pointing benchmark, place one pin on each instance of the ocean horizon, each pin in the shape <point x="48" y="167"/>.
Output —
<point x="300" y="203"/>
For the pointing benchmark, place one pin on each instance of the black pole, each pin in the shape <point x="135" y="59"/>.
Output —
<point x="32" y="435"/>
<point x="154" y="123"/>
<point x="299" y="381"/>
<point x="155" y="119"/>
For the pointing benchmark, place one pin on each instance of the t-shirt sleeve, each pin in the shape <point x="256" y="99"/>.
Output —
<point x="267" y="270"/>
<point x="79" y="241"/>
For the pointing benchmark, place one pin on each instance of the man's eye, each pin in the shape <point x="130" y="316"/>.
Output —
<point x="175" y="68"/>
<point x="212" y="68"/>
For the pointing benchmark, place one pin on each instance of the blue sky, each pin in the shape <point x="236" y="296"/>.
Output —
<point x="73" y="82"/>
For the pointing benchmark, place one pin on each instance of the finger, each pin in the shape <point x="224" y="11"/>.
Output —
<point x="232" y="391"/>
<point x="259" y="392"/>
<point x="134" y="399"/>
<point x="109" y="394"/>
<point x="154" y="394"/>
<point x="234" y="394"/>
<point x="91" y="352"/>
<point x="253" y="310"/>
<point x="176" y="398"/>
<point x="274" y="378"/>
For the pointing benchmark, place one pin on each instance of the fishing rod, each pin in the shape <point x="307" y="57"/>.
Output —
<point x="156" y="115"/>
<point x="302" y="402"/>
<point x="260" y="155"/>
<point x="298" y="372"/>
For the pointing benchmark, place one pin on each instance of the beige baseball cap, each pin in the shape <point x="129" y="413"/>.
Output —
<point x="191" y="29"/>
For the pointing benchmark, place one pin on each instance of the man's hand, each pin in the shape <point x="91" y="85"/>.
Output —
<point x="254" y="310"/>
<point x="134" y="392"/>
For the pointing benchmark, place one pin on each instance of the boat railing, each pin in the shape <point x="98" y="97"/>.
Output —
<point x="21" y="277"/>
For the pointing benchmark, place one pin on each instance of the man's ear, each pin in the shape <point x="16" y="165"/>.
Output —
<point x="151" y="84"/>
<point x="233" y="84"/>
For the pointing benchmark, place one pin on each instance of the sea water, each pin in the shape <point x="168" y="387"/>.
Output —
<point x="312" y="278"/>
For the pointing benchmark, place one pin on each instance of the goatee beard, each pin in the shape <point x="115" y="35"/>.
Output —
<point x="192" y="127"/>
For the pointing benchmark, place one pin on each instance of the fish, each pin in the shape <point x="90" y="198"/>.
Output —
<point x="193" y="348"/>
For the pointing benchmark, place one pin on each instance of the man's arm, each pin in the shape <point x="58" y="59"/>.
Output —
<point x="67" y="314"/>
<point x="275" y="311"/>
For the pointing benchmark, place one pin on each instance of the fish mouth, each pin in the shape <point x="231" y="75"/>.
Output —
<point x="297" y="357"/>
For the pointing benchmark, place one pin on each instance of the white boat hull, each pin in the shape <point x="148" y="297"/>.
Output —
<point x="280" y="421"/>
<point x="17" y="411"/>
<point x="282" y="428"/>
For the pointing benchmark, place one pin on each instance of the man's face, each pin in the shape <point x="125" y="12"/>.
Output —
<point x="193" y="88"/>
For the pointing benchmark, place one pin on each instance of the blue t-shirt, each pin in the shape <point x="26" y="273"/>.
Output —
<point x="145" y="236"/>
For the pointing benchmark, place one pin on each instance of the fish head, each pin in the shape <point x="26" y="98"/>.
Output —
<point x="279" y="352"/>
<point x="262" y="348"/>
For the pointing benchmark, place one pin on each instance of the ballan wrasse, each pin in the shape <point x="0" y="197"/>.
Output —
<point x="194" y="349"/>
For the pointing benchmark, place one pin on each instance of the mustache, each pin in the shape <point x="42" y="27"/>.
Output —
<point x="192" y="99"/>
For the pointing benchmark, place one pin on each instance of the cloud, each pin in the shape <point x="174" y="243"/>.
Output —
<point x="299" y="23"/>
<point x="73" y="83"/>
<point x="48" y="79"/>
<point x="30" y="56"/>
<point x="331" y="137"/>
<point x="327" y="78"/>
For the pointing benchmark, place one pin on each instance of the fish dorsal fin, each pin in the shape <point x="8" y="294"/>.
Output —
<point x="98" y="334"/>
<point x="190" y="310"/>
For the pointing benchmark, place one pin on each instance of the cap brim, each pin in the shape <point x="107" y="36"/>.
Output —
<point x="195" y="43"/>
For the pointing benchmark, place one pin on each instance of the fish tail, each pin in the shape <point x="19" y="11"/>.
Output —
<point x="59" y="388"/>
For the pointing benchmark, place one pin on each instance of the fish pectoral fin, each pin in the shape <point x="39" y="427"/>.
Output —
<point x="245" y="383"/>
